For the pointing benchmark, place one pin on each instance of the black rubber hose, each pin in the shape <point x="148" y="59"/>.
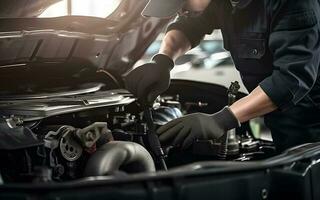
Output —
<point x="113" y="155"/>
<point x="153" y="139"/>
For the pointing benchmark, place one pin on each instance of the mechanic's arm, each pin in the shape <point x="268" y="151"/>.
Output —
<point x="294" y="43"/>
<point x="174" y="44"/>
<point x="256" y="104"/>
<point x="148" y="81"/>
<point x="181" y="35"/>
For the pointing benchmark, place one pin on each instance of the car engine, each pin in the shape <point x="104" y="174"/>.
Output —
<point x="101" y="133"/>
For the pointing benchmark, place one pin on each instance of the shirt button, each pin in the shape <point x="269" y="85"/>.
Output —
<point x="255" y="51"/>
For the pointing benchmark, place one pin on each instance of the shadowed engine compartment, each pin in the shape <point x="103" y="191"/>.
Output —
<point x="101" y="133"/>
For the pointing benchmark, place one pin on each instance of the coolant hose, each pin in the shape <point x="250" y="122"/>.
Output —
<point x="111" y="156"/>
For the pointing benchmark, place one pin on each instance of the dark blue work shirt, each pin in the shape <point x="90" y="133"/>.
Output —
<point x="274" y="44"/>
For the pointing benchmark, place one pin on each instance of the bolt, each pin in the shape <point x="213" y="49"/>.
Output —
<point x="255" y="51"/>
<point x="264" y="193"/>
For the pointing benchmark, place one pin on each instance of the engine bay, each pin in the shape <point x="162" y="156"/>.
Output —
<point x="106" y="133"/>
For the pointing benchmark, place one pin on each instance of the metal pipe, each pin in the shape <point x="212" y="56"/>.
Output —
<point x="113" y="155"/>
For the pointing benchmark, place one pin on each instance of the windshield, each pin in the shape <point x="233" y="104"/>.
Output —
<point x="94" y="8"/>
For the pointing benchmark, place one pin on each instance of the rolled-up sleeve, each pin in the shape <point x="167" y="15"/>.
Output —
<point x="196" y="27"/>
<point x="295" y="45"/>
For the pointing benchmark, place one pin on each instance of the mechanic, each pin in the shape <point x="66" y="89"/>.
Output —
<point x="275" y="46"/>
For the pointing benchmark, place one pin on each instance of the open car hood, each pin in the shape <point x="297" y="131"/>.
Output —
<point x="24" y="8"/>
<point x="38" y="54"/>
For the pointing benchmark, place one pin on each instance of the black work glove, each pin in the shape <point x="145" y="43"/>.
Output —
<point x="185" y="130"/>
<point x="148" y="81"/>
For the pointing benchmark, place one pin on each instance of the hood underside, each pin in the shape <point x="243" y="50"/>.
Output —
<point x="24" y="8"/>
<point x="69" y="50"/>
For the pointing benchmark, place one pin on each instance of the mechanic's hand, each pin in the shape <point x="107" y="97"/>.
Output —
<point x="185" y="130"/>
<point x="148" y="81"/>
